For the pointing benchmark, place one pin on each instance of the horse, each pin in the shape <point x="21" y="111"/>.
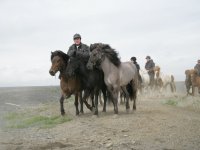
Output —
<point x="145" y="81"/>
<point x="68" y="85"/>
<point x="163" y="80"/>
<point x="117" y="74"/>
<point x="188" y="82"/>
<point x="195" y="79"/>
<point x="92" y="80"/>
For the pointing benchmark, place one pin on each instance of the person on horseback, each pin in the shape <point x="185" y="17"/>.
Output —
<point x="149" y="66"/>
<point x="78" y="48"/>
<point x="133" y="59"/>
<point x="197" y="67"/>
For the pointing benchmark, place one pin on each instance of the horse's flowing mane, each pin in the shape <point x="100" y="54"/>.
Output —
<point x="60" y="54"/>
<point x="109" y="52"/>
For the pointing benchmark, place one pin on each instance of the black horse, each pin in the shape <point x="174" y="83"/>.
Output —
<point x="92" y="81"/>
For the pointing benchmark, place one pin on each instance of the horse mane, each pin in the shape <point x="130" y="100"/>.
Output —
<point x="109" y="52"/>
<point x="191" y="71"/>
<point x="60" y="54"/>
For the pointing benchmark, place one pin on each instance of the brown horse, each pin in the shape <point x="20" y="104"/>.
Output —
<point x="195" y="79"/>
<point x="188" y="82"/>
<point x="69" y="85"/>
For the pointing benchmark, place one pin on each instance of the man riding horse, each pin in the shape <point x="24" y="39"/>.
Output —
<point x="149" y="66"/>
<point x="78" y="48"/>
<point x="197" y="67"/>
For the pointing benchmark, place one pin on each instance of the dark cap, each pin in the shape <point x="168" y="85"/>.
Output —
<point x="77" y="36"/>
<point x="133" y="58"/>
<point x="148" y="57"/>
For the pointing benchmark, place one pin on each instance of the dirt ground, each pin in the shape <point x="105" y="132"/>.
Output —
<point x="165" y="123"/>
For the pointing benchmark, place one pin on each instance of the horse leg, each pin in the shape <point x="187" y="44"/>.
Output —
<point x="114" y="95"/>
<point x="109" y="97"/>
<point x="76" y="104"/>
<point x="100" y="99"/>
<point x="92" y="99"/>
<point x="199" y="90"/>
<point x="86" y="95"/>
<point x="105" y="99"/>
<point x="96" y="103"/>
<point x="121" y="101"/>
<point x="61" y="105"/>
<point x="127" y="97"/>
<point x="134" y="94"/>
<point x="81" y="102"/>
<point x="193" y="90"/>
<point x="174" y="86"/>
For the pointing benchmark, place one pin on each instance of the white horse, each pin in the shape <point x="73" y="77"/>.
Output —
<point x="163" y="80"/>
<point x="145" y="80"/>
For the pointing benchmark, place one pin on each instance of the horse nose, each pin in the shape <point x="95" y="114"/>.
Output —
<point x="51" y="72"/>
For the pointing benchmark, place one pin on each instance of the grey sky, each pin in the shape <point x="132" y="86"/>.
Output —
<point x="167" y="30"/>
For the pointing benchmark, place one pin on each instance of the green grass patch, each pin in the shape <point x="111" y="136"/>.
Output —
<point x="171" y="102"/>
<point x="22" y="120"/>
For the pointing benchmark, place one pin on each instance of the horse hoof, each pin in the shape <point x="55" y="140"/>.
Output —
<point x="77" y="113"/>
<point x="134" y="107"/>
<point x="82" y="112"/>
<point x="103" y="110"/>
<point x="96" y="113"/>
<point x="62" y="113"/>
<point x="116" y="112"/>
<point x="91" y="109"/>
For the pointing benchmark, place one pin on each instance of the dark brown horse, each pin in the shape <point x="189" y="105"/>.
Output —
<point x="69" y="85"/>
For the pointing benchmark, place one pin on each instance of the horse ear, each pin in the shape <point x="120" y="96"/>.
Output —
<point x="186" y="72"/>
<point x="93" y="46"/>
<point x="104" y="46"/>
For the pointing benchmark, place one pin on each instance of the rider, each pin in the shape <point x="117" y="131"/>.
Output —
<point x="78" y="48"/>
<point x="149" y="66"/>
<point x="197" y="67"/>
<point x="133" y="59"/>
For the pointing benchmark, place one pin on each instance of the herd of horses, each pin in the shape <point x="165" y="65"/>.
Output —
<point x="102" y="72"/>
<point x="162" y="81"/>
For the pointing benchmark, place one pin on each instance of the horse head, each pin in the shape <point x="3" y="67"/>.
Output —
<point x="96" y="56"/>
<point x="99" y="51"/>
<point x="59" y="61"/>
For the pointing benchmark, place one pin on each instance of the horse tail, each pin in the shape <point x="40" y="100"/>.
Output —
<point x="129" y="88"/>
<point x="172" y="78"/>
<point x="132" y="89"/>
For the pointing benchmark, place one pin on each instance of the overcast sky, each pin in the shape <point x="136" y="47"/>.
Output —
<point x="167" y="30"/>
